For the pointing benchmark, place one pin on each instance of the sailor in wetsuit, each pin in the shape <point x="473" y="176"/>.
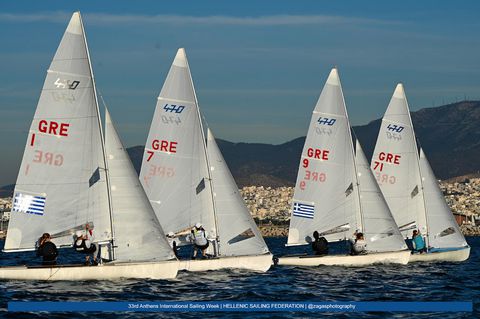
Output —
<point x="47" y="250"/>
<point x="199" y="238"/>
<point x="320" y="245"/>
<point x="83" y="245"/>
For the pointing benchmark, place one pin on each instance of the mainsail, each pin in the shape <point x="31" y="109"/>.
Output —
<point x="443" y="231"/>
<point x="238" y="233"/>
<point x="379" y="227"/>
<point x="138" y="234"/>
<point x="61" y="184"/>
<point x="326" y="195"/>
<point x="395" y="166"/>
<point x="174" y="169"/>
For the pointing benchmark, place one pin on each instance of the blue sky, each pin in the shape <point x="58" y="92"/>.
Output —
<point x="258" y="66"/>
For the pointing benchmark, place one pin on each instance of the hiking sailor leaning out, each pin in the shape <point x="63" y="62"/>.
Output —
<point x="84" y="246"/>
<point x="358" y="244"/>
<point x="199" y="238"/>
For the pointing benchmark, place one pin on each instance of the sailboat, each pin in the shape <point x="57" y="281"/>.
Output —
<point x="336" y="193"/>
<point x="410" y="187"/>
<point x="188" y="182"/>
<point x="70" y="176"/>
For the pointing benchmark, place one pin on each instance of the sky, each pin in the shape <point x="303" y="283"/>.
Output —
<point x="258" y="66"/>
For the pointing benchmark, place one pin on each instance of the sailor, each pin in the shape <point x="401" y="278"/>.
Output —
<point x="199" y="238"/>
<point x="172" y="241"/>
<point x="320" y="245"/>
<point x="91" y="237"/>
<point x="418" y="243"/>
<point x="85" y="246"/>
<point x="47" y="250"/>
<point x="358" y="244"/>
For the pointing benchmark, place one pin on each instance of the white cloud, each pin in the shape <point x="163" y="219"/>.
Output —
<point x="113" y="19"/>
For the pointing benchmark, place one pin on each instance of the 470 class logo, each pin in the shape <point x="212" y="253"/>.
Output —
<point x="174" y="108"/>
<point x="326" y="121"/>
<point x="395" y="128"/>
<point x="66" y="84"/>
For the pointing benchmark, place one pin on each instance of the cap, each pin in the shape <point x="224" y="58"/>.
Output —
<point x="79" y="233"/>
<point x="171" y="234"/>
<point x="198" y="225"/>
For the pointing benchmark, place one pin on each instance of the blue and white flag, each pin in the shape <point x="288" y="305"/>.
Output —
<point x="303" y="210"/>
<point x="29" y="204"/>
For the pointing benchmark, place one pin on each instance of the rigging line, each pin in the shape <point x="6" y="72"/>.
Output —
<point x="107" y="177"/>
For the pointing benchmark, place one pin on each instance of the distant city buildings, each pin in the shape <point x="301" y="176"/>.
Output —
<point x="273" y="205"/>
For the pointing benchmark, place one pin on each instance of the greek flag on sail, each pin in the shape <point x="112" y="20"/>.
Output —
<point x="29" y="204"/>
<point x="303" y="210"/>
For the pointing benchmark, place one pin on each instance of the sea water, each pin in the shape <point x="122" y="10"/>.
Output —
<point x="414" y="282"/>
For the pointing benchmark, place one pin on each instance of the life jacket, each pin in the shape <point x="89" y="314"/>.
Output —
<point x="199" y="237"/>
<point x="80" y="245"/>
<point x="419" y="242"/>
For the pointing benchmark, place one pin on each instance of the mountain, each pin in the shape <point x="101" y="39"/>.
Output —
<point x="449" y="134"/>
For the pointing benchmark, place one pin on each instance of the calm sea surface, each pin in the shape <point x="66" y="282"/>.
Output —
<point x="414" y="282"/>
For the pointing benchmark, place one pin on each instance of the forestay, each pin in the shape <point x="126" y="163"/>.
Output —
<point x="443" y="231"/>
<point x="326" y="193"/>
<point x="379" y="227"/>
<point x="174" y="169"/>
<point x="238" y="234"/>
<point x="61" y="184"/>
<point x="395" y="165"/>
<point x="138" y="234"/>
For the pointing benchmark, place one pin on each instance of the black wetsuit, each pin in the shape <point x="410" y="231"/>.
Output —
<point x="320" y="246"/>
<point x="49" y="252"/>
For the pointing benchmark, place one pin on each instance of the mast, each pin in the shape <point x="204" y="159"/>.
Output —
<point x="353" y="157"/>
<point x="107" y="178"/>
<point x="204" y="144"/>
<point x="419" y="171"/>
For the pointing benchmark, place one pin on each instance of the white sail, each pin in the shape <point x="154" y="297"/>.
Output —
<point x="238" y="233"/>
<point x="443" y="231"/>
<point x="326" y="193"/>
<point x="174" y="169"/>
<point x="61" y="184"/>
<point x="138" y="234"/>
<point x="379" y="227"/>
<point x="395" y="165"/>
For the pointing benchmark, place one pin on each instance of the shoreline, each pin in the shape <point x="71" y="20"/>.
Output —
<point x="282" y="230"/>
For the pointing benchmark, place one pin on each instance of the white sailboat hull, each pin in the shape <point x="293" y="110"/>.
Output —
<point x="260" y="263"/>
<point x="397" y="257"/>
<point x="110" y="271"/>
<point x="451" y="255"/>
